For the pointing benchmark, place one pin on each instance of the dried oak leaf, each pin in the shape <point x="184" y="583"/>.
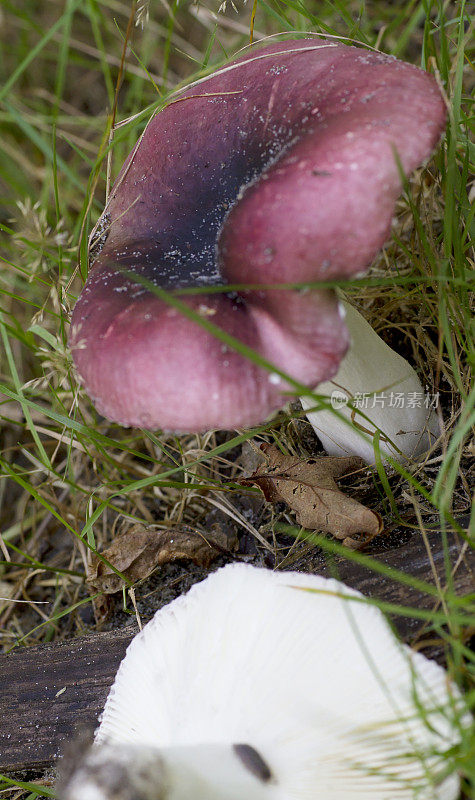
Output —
<point x="309" y="488"/>
<point x="139" y="550"/>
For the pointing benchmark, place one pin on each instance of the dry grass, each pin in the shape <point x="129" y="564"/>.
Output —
<point x="98" y="474"/>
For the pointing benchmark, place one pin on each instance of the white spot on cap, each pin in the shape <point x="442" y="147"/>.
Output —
<point x="274" y="378"/>
<point x="206" y="311"/>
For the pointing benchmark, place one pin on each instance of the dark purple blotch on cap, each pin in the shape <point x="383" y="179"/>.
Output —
<point x="279" y="168"/>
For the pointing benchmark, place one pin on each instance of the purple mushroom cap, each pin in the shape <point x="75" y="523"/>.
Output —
<point x="278" y="168"/>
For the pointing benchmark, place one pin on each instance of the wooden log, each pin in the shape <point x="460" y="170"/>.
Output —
<point x="49" y="691"/>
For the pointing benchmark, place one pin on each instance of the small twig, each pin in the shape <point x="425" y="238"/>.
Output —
<point x="131" y="593"/>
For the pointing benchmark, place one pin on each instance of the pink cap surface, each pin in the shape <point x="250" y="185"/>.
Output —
<point x="279" y="168"/>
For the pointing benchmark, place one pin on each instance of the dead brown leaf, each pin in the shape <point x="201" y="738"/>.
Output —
<point x="308" y="487"/>
<point x="139" y="550"/>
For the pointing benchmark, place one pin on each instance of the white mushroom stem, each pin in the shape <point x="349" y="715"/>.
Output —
<point x="205" y="771"/>
<point x="374" y="389"/>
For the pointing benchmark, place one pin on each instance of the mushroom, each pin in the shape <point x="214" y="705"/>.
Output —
<point x="274" y="685"/>
<point x="279" y="168"/>
<point x="375" y="389"/>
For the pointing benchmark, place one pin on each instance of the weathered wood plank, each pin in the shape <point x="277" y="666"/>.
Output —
<point x="47" y="692"/>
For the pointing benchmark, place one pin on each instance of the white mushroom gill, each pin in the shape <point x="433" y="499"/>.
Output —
<point x="375" y="388"/>
<point x="252" y="687"/>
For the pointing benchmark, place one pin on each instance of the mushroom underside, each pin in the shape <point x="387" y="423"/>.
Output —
<point x="302" y="670"/>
